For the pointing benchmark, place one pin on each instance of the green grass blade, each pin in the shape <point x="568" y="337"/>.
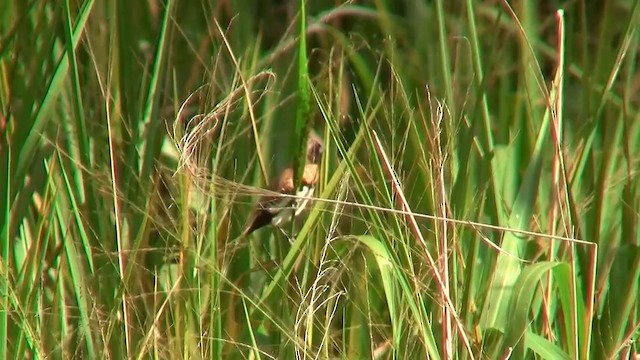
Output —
<point x="303" y="120"/>
<point x="520" y="306"/>
<point x="544" y="348"/>
<point x="507" y="268"/>
<point x="154" y="128"/>
<point x="5" y="203"/>
<point x="78" y="281"/>
<point x="33" y="135"/>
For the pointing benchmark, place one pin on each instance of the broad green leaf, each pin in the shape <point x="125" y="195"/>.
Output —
<point x="544" y="348"/>
<point x="507" y="268"/>
<point x="520" y="307"/>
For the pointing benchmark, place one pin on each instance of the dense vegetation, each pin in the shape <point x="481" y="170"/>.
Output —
<point x="479" y="193"/>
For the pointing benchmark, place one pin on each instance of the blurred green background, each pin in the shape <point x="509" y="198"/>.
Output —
<point x="478" y="195"/>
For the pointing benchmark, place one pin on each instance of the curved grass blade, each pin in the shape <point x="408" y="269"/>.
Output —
<point x="520" y="306"/>
<point x="392" y="273"/>
<point x="544" y="348"/>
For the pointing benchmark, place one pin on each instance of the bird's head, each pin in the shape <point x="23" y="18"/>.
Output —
<point x="315" y="148"/>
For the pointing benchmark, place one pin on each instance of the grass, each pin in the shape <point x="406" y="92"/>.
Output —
<point x="478" y="198"/>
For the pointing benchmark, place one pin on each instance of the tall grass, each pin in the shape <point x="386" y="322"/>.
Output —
<point x="479" y="194"/>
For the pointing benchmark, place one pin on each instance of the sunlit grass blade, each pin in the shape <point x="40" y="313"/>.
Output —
<point x="507" y="267"/>
<point x="29" y="137"/>
<point x="543" y="347"/>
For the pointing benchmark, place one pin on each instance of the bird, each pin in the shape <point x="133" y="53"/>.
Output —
<point x="278" y="210"/>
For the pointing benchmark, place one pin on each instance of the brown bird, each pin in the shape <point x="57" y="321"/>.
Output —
<point x="278" y="210"/>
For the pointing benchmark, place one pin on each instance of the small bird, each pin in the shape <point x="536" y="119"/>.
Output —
<point x="278" y="210"/>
